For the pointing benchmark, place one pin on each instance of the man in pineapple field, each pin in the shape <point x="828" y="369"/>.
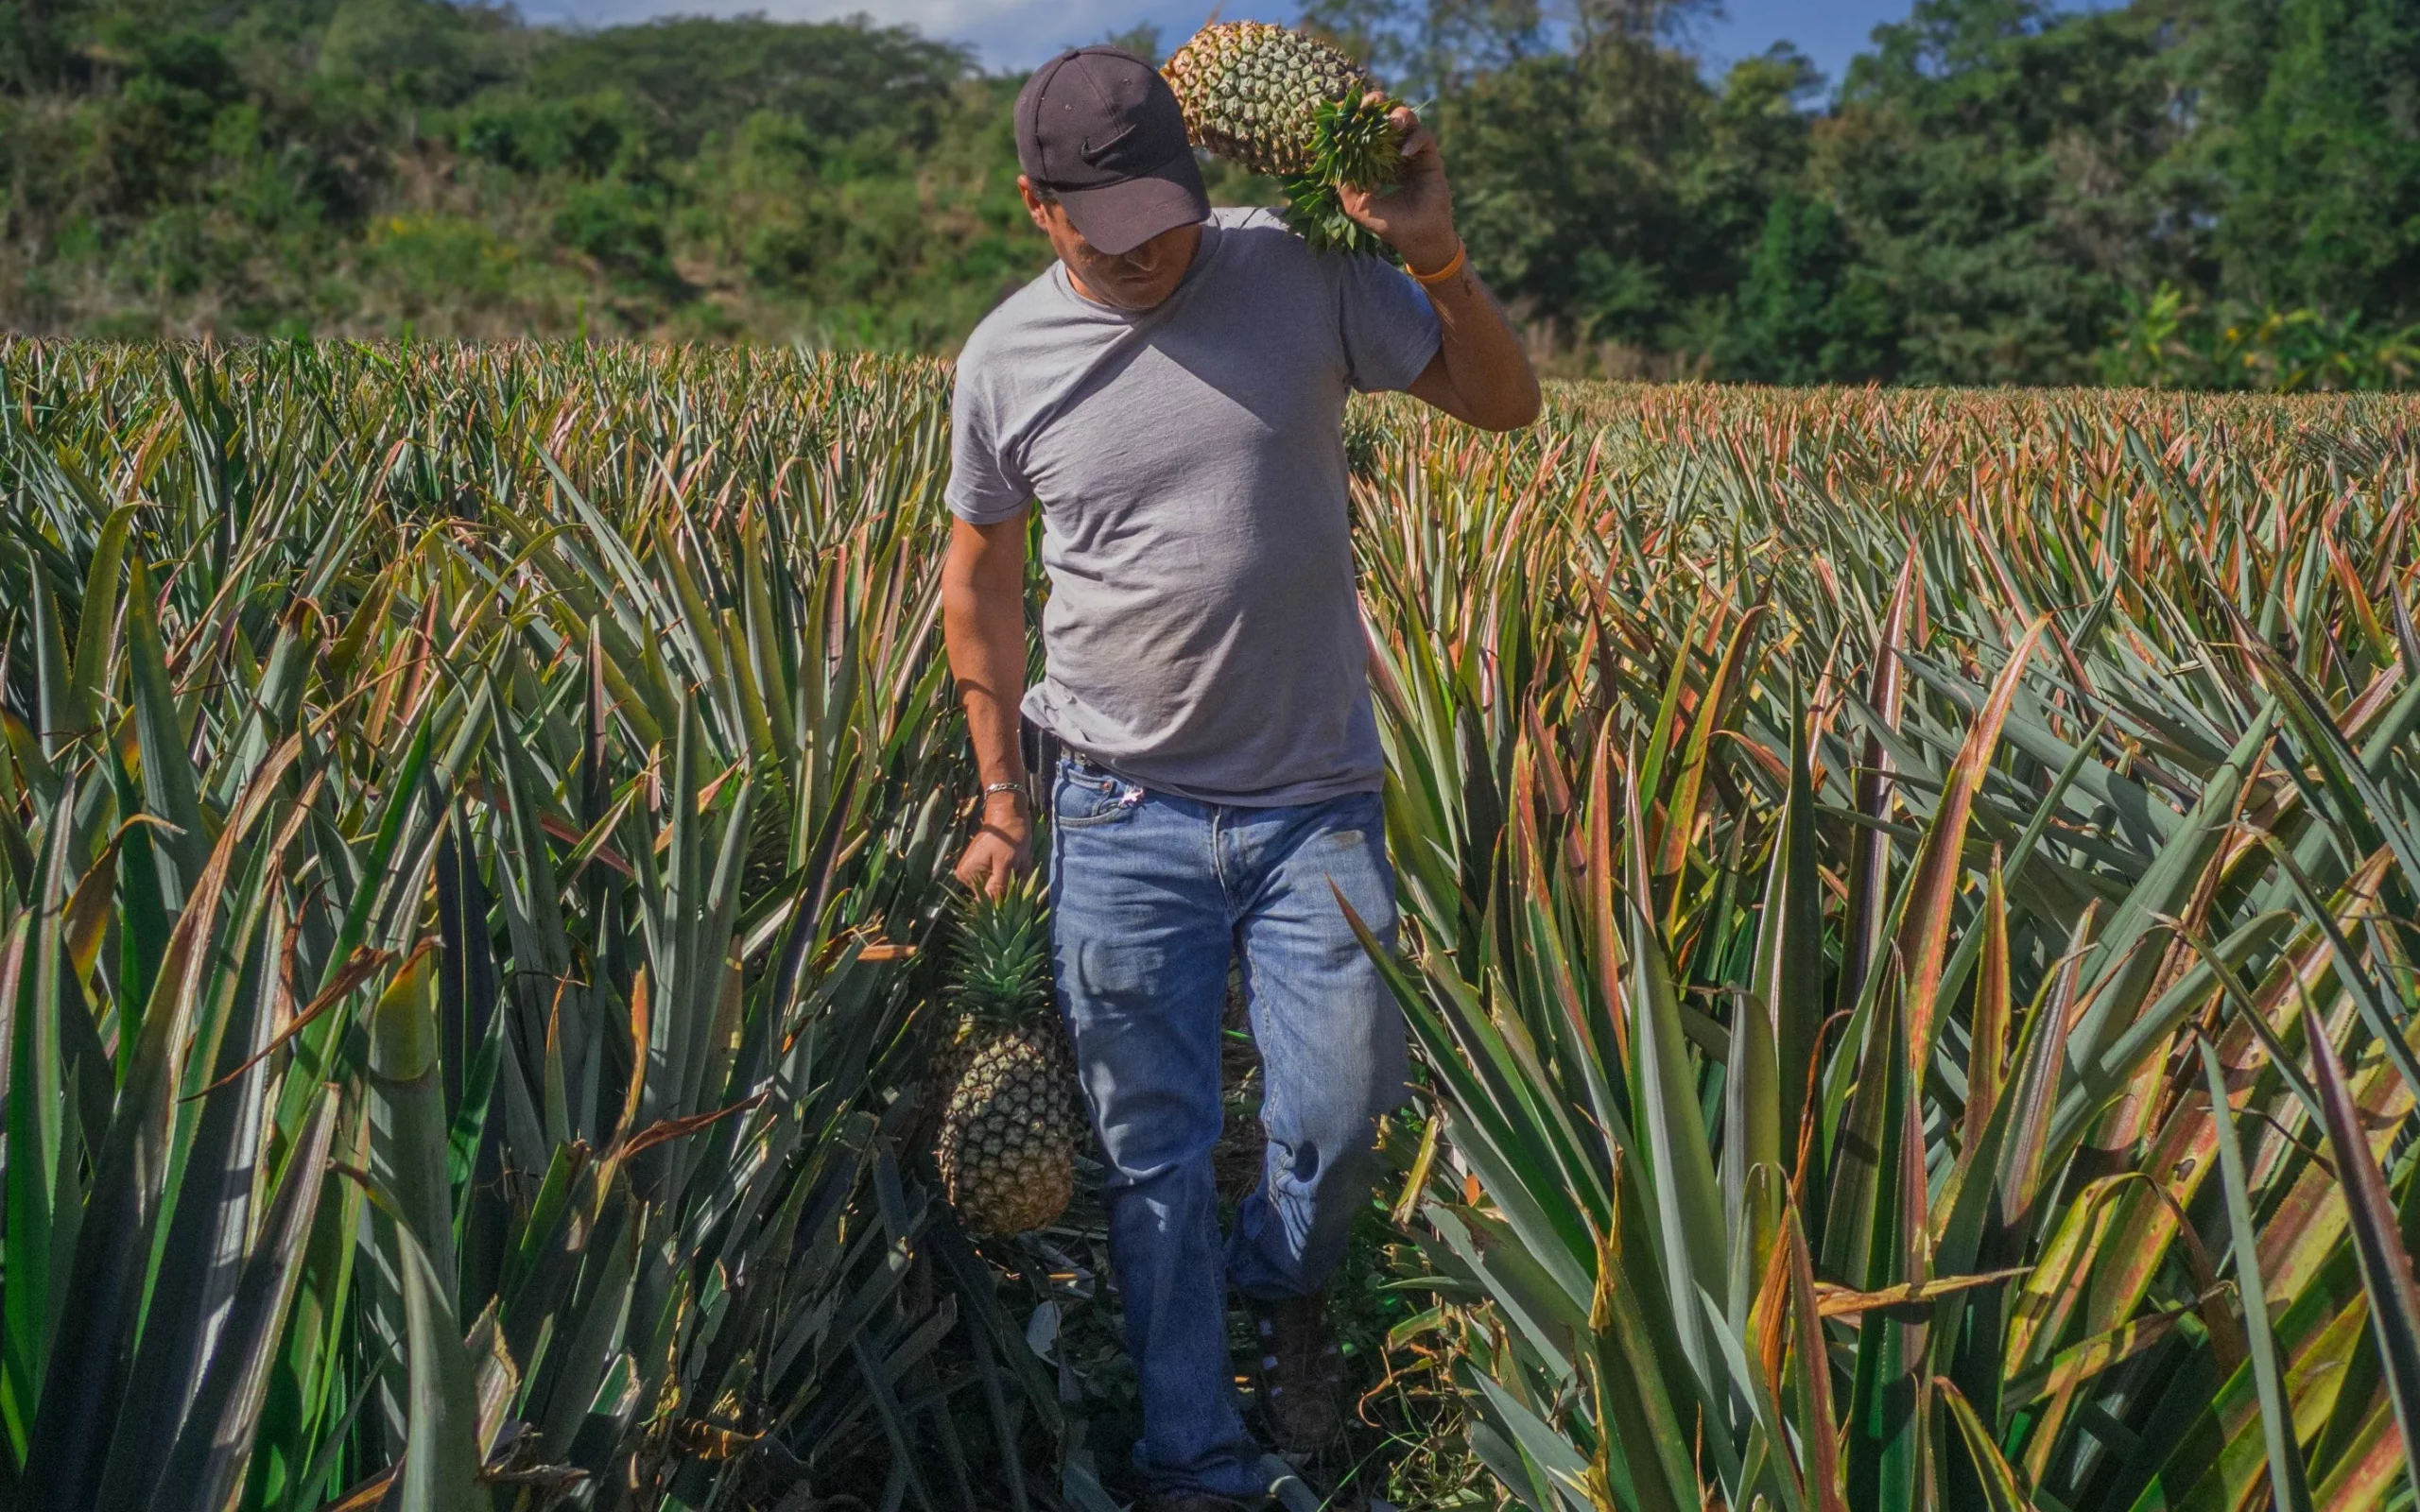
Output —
<point x="1171" y="393"/>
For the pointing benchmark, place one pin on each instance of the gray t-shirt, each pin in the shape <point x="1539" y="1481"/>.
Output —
<point x="1202" y="635"/>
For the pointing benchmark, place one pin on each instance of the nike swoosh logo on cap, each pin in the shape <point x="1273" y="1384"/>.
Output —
<point x="1094" y="154"/>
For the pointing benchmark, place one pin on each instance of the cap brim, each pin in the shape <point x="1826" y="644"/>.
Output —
<point x="1116" y="218"/>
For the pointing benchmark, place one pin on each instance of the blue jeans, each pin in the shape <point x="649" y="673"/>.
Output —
<point x="1152" y="898"/>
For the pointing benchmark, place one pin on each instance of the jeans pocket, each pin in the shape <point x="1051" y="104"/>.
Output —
<point x="1087" y="797"/>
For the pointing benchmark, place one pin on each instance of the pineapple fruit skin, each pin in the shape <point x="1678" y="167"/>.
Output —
<point x="1286" y="104"/>
<point x="1251" y="93"/>
<point x="1006" y="1152"/>
<point x="1009" y="1116"/>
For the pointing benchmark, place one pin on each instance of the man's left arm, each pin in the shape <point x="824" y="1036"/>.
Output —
<point x="1481" y="375"/>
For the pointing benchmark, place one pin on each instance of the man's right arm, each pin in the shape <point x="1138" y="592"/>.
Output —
<point x="983" y="623"/>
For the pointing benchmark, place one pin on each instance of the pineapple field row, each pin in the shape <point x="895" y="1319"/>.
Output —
<point x="1910" y="908"/>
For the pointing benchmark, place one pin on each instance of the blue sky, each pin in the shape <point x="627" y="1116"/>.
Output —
<point x="1018" y="33"/>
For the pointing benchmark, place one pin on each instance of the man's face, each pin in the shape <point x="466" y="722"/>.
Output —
<point x="1130" y="280"/>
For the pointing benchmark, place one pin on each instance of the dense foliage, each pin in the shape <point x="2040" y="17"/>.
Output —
<point x="1915" y="897"/>
<point x="2185" y="192"/>
<point x="500" y="800"/>
<point x="1909" y="911"/>
<point x="408" y="166"/>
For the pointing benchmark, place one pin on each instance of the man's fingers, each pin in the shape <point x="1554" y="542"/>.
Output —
<point x="983" y="874"/>
<point x="986" y="868"/>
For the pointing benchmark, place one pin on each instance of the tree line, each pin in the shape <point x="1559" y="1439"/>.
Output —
<point x="2207" y="193"/>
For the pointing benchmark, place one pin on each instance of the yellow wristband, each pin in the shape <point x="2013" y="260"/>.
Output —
<point x="1429" y="280"/>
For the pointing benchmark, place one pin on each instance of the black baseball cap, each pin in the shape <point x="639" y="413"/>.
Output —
<point x="1100" y="129"/>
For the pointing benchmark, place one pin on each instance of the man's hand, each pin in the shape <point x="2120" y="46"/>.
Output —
<point x="983" y="623"/>
<point x="1416" y="217"/>
<point x="1002" y="849"/>
<point x="1481" y="374"/>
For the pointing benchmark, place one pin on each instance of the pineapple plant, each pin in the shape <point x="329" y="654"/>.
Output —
<point x="329" y="1195"/>
<point x="2156" y="1219"/>
<point x="1286" y="104"/>
<point x="1005" y="1085"/>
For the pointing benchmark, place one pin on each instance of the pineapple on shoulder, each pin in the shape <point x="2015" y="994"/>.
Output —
<point x="1284" y="103"/>
<point x="1010" y="1116"/>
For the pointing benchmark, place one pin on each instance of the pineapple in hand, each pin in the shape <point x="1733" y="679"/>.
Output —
<point x="1291" y="106"/>
<point x="1010" y="1111"/>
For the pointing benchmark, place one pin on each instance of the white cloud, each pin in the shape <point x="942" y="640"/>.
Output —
<point x="1004" y="34"/>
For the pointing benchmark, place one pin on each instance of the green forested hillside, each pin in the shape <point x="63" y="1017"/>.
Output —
<point x="405" y="165"/>
<point x="2212" y="192"/>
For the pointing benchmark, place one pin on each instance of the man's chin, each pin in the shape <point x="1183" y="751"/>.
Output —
<point x="1134" y="301"/>
<point x="1132" y="297"/>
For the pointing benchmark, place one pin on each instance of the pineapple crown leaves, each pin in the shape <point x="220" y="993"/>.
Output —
<point x="1355" y="144"/>
<point x="1316" y="213"/>
<point x="1000" y="964"/>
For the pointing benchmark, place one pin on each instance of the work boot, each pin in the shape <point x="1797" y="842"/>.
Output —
<point x="1300" y="1372"/>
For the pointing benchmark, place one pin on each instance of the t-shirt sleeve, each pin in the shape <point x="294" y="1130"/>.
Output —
<point x="1390" y="327"/>
<point x="985" y="487"/>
